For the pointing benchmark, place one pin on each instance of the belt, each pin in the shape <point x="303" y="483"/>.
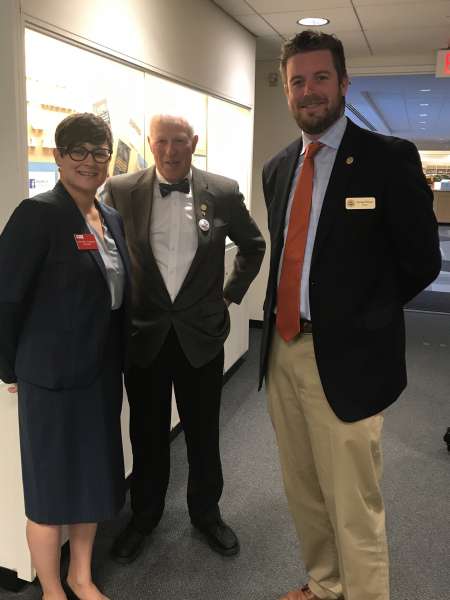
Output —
<point x="306" y="326"/>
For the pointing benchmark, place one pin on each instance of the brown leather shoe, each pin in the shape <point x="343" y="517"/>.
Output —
<point x="302" y="594"/>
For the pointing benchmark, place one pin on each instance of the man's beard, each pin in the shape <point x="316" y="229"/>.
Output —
<point x="316" y="124"/>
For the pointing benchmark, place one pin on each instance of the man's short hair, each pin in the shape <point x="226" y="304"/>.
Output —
<point x="309" y="41"/>
<point x="173" y="120"/>
<point x="80" y="128"/>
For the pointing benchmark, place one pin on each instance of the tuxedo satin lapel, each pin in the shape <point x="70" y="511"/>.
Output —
<point x="203" y="209"/>
<point x="141" y="197"/>
<point x="340" y="176"/>
<point x="73" y="216"/>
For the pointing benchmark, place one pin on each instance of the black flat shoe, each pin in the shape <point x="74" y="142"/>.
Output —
<point x="220" y="537"/>
<point x="128" y="545"/>
<point x="69" y="592"/>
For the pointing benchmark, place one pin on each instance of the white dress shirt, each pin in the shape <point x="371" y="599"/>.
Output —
<point x="173" y="234"/>
<point x="115" y="271"/>
<point x="323" y="165"/>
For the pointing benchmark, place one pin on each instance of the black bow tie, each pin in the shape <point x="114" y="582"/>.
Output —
<point x="181" y="186"/>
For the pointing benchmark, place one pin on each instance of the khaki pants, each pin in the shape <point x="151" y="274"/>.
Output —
<point x="331" y="471"/>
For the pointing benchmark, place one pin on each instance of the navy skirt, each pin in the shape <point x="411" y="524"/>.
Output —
<point x="71" y="445"/>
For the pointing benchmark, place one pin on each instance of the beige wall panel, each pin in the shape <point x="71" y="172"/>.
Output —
<point x="13" y="142"/>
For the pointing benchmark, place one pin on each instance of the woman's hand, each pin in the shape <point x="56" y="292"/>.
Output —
<point x="12" y="389"/>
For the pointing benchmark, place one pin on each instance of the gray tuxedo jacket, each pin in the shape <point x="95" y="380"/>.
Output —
<point x="199" y="313"/>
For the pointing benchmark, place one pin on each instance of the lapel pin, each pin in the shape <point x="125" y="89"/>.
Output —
<point x="349" y="160"/>
<point x="203" y="224"/>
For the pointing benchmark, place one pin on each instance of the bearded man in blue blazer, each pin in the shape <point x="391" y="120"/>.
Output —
<point x="353" y="239"/>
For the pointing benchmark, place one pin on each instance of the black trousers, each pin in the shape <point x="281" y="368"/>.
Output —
<point x="198" y="392"/>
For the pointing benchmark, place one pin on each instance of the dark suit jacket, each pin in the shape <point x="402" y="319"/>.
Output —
<point x="55" y="302"/>
<point x="199" y="314"/>
<point x="366" y="265"/>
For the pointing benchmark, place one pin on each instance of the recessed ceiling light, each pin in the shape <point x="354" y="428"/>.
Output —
<point x="422" y="122"/>
<point x="424" y="104"/>
<point x="426" y="90"/>
<point x="313" y="21"/>
<point x="423" y="128"/>
<point x="423" y="115"/>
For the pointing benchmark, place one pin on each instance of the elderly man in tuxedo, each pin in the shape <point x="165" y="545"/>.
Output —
<point x="177" y="219"/>
<point x="353" y="238"/>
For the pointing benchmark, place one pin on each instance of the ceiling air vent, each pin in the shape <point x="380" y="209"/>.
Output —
<point x="360" y="116"/>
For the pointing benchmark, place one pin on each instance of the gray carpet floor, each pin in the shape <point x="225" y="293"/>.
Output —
<point x="177" y="565"/>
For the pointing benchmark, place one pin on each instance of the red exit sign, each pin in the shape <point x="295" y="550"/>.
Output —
<point x="443" y="63"/>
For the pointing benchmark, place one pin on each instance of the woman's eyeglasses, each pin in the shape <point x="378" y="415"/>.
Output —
<point x="79" y="153"/>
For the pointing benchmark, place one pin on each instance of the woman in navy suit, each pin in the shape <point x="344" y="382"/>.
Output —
<point x="64" y="314"/>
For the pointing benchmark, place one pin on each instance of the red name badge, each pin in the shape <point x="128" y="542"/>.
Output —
<point x="86" y="241"/>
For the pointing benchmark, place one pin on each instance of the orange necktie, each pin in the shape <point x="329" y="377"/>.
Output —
<point x="288" y="298"/>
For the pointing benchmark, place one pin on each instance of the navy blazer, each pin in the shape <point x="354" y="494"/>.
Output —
<point x="55" y="302"/>
<point x="366" y="265"/>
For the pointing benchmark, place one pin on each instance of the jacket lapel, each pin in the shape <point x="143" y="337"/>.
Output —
<point x="285" y="173"/>
<point x="343" y="170"/>
<point x="141" y="196"/>
<point x="115" y="230"/>
<point x="203" y="209"/>
<point x="78" y="224"/>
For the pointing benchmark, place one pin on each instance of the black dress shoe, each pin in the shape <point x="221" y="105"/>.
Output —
<point x="128" y="545"/>
<point x="219" y="536"/>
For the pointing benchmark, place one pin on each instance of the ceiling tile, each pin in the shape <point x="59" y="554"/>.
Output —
<point x="401" y="16"/>
<point x="354" y="42"/>
<point x="342" y="19"/>
<point x="407" y="41"/>
<point x="397" y="99"/>
<point x="354" y="45"/>
<point x="430" y="3"/>
<point x="256" y="25"/>
<point x="274" y="6"/>
<point x="424" y="116"/>
<point x="235" y="7"/>
<point x="392" y="108"/>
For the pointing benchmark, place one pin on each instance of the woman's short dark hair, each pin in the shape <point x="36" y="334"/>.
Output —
<point x="81" y="128"/>
<point x="308" y="41"/>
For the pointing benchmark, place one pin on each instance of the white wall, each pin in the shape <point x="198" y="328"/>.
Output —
<point x="274" y="128"/>
<point x="192" y="41"/>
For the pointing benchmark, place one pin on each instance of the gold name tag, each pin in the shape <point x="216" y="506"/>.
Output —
<point x="360" y="203"/>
